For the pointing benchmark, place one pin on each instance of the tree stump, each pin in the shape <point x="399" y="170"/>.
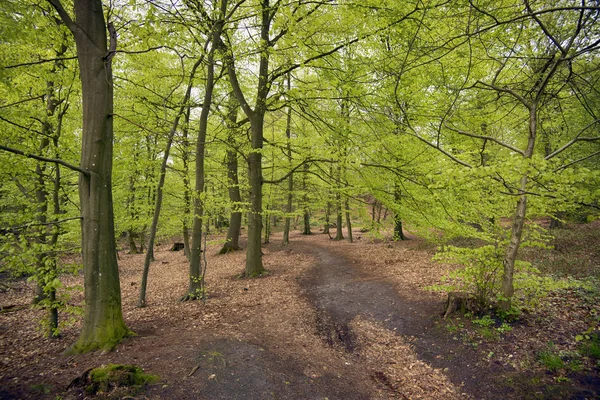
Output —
<point x="460" y="301"/>
<point x="177" y="246"/>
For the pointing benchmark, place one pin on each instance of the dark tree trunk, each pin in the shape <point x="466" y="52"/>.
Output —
<point x="267" y="227"/>
<point x="348" y="222"/>
<point x="306" y="214"/>
<point x="131" y="240"/>
<point x="103" y="325"/>
<point x="235" y="219"/>
<point x="327" y="213"/>
<point x="398" y="234"/>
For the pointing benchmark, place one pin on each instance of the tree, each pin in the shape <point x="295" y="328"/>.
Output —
<point x="103" y="325"/>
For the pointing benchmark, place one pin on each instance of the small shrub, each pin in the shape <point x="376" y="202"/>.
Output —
<point x="480" y="273"/>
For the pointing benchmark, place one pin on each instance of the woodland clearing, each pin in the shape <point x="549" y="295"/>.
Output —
<point x="331" y="320"/>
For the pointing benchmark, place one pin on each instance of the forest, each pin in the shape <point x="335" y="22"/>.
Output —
<point x="298" y="198"/>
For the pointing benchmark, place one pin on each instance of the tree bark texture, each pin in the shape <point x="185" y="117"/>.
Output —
<point x="103" y="324"/>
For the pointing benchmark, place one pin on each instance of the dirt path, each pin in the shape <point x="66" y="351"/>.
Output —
<point x="342" y="291"/>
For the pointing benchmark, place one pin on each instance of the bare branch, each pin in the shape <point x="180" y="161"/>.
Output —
<point x="309" y="160"/>
<point x="40" y="62"/>
<point x="437" y="147"/>
<point x="577" y="161"/>
<point x="14" y="228"/>
<point x="490" y="138"/>
<point x="45" y="159"/>
<point x="510" y="91"/>
<point x="577" y="138"/>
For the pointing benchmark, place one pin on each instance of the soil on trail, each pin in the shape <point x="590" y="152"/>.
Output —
<point x="341" y="292"/>
<point x="331" y="320"/>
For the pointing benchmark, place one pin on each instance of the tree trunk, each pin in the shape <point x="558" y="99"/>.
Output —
<point x="339" y="235"/>
<point x="348" y="223"/>
<point x="267" y="227"/>
<point x="290" y="194"/>
<point x="235" y="219"/>
<point x="159" y="188"/>
<point x="196" y="278"/>
<point x="131" y="240"/>
<point x="510" y="256"/>
<point x="306" y="216"/>
<point x="256" y="116"/>
<point x="254" y="266"/>
<point x="398" y="234"/>
<point x="103" y="325"/>
<point x="187" y="197"/>
<point x="327" y="223"/>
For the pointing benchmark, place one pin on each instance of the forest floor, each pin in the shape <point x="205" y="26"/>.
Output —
<point x="331" y="320"/>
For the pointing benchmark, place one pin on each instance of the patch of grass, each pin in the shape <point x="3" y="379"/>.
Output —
<point x="41" y="388"/>
<point x="550" y="359"/>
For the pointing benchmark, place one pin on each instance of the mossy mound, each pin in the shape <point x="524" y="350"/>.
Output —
<point x="124" y="379"/>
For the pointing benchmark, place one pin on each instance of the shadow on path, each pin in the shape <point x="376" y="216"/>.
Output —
<point x="340" y="292"/>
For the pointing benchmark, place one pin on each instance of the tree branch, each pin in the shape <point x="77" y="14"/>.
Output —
<point x="283" y="178"/>
<point x="45" y="159"/>
<point x="577" y="161"/>
<point x="14" y="228"/>
<point x="64" y="15"/>
<point x="575" y="140"/>
<point x="501" y="143"/>
<point x="40" y="62"/>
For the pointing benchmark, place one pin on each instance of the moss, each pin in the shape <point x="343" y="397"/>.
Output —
<point x="113" y="376"/>
<point x="100" y="339"/>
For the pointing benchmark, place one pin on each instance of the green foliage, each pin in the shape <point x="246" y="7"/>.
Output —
<point x="480" y="272"/>
<point x="486" y="321"/>
<point x="589" y="345"/>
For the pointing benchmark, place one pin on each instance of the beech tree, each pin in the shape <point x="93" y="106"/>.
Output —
<point x="103" y="325"/>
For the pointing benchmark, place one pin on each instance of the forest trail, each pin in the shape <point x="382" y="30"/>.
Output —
<point x="342" y="291"/>
<point x="331" y="320"/>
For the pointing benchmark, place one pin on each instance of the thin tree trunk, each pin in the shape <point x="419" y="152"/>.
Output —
<point x="516" y="234"/>
<point x="267" y="227"/>
<point x="327" y="213"/>
<point x="159" y="189"/>
<point x="196" y="278"/>
<point x="290" y="194"/>
<point x="398" y="234"/>
<point x="306" y="214"/>
<point x="187" y="197"/>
